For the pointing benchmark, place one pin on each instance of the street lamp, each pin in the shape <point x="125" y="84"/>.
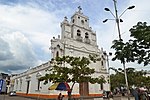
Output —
<point x="104" y="21"/>
<point x="117" y="19"/>
<point x="130" y="7"/>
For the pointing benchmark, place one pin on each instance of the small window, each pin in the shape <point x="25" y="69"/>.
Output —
<point x="82" y="21"/>
<point x="103" y="57"/>
<point x="102" y="63"/>
<point x="38" y="86"/>
<point x="73" y="20"/>
<point x="57" y="54"/>
<point x="85" y="20"/>
<point x="78" y="33"/>
<point x="101" y="86"/>
<point x="78" y="17"/>
<point x="86" y="35"/>
<point x="58" y="46"/>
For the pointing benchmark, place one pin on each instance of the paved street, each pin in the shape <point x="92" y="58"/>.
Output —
<point x="6" y="97"/>
<point x="120" y="98"/>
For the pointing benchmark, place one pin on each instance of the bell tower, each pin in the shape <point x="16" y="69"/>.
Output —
<point x="80" y="28"/>
<point x="77" y="39"/>
<point x="80" y="20"/>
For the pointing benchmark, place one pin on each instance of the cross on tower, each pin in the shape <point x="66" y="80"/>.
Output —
<point x="79" y="8"/>
<point x="65" y="18"/>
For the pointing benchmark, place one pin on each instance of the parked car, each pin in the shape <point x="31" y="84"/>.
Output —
<point x="12" y="93"/>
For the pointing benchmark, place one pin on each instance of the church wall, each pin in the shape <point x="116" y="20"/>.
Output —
<point x="34" y="84"/>
<point x="93" y="88"/>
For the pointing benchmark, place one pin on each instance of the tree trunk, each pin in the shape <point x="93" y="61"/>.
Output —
<point x="84" y="89"/>
<point x="126" y="79"/>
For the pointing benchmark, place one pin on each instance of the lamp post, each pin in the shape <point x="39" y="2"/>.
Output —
<point x="116" y="17"/>
<point x="118" y="20"/>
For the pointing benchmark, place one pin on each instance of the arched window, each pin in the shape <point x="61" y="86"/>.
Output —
<point x="73" y="20"/>
<point x="102" y="63"/>
<point x="78" y="33"/>
<point x="82" y="21"/>
<point x="86" y="35"/>
<point x="87" y="40"/>
<point x="101" y="85"/>
<point x="79" y="38"/>
<point x="57" y="54"/>
<point x="58" y="46"/>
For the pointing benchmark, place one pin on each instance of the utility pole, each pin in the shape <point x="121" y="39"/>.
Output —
<point x="125" y="73"/>
<point x="117" y="19"/>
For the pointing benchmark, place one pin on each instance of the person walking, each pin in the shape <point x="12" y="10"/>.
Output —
<point x="135" y="93"/>
<point x="59" y="96"/>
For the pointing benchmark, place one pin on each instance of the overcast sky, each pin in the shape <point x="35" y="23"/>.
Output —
<point x="26" y="27"/>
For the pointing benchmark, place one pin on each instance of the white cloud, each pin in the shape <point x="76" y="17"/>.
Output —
<point x="23" y="29"/>
<point x="27" y="30"/>
<point x="38" y="25"/>
<point x="19" y="50"/>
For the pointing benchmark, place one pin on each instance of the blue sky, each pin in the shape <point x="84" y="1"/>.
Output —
<point x="26" y="27"/>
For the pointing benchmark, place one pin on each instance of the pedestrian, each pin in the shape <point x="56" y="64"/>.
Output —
<point x="59" y="96"/>
<point x="69" y="94"/>
<point x="107" y="94"/>
<point x="135" y="93"/>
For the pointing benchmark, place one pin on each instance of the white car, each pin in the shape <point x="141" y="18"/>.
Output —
<point x="12" y="93"/>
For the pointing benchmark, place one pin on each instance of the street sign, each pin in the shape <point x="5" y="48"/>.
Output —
<point x="1" y="84"/>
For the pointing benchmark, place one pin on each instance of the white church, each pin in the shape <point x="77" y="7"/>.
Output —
<point x="77" y="39"/>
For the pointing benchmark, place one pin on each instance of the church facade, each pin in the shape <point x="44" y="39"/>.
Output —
<point x="77" y="39"/>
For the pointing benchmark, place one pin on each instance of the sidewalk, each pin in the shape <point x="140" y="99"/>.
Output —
<point x="126" y="98"/>
<point x="119" y="97"/>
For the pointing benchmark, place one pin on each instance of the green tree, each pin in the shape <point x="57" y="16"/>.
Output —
<point x="137" y="78"/>
<point x="117" y="79"/>
<point x="140" y="44"/>
<point x="122" y="53"/>
<point x="137" y="48"/>
<point x="78" y="71"/>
